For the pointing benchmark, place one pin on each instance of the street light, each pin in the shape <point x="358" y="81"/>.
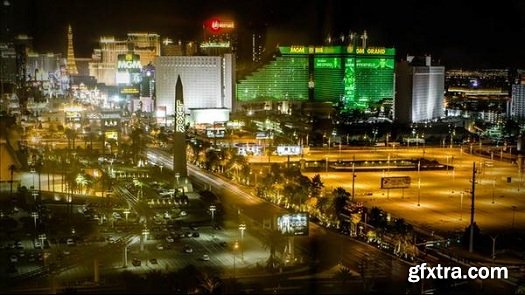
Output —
<point x="418" y="183"/>
<point x="35" y="216"/>
<point x="235" y="247"/>
<point x="353" y="179"/>
<point x="145" y="233"/>
<point x="42" y="238"/>
<point x="126" y="213"/>
<point x="34" y="193"/>
<point x="494" y="247"/>
<point x="242" y="228"/>
<point x="493" y="187"/>
<point x="461" y="208"/>
<point x="212" y="210"/>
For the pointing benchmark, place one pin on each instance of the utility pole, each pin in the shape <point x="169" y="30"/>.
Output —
<point x="353" y="179"/>
<point x="471" y="241"/>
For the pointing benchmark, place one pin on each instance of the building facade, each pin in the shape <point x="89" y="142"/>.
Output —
<point x="517" y="102"/>
<point x="419" y="91"/>
<point x="104" y="64"/>
<point x="356" y="77"/>
<point x="208" y="81"/>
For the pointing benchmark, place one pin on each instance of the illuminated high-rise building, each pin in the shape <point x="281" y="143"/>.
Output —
<point x="219" y="37"/>
<point x="517" y="101"/>
<point x="104" y="64"/>
<point x="257" y="47"/>
<point x="208" y="81"/>
<point x="353" y="76"/>
<point x="419" y="91"/>
<point x="71" y="64"/>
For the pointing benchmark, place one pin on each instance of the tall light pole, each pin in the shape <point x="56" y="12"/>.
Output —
<point x="419" y="183"/>
<point x="493" y="188"/>
<point x="42" y="238"/>
<point x="126" y="213"/>
<point x="242" y="228"/>
<point x="212" y="211"/>
<point x="353" y="178"/>
<point x="472" y="209"/>
<point x="145" y="233"/>
<point x="494" y="247"/>
<point x="235" y="247"/>
<point x="34" y="193"/>
<point x="461" y="208"/>
<point x="35" y="216"/>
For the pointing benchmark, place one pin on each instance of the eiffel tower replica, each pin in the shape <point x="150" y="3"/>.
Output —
<point x="70" y="63"/>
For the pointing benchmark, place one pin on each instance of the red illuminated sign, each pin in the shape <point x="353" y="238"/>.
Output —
<point x="216" y="25"/>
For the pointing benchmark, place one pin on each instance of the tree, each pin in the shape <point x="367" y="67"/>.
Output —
<point x="322" y="204"/>
<point x="317" y="185"/>
<point x="377" y="218"/>
<point x="209" y="283"/>
<point x="341" y="197"/>
<point x="71" y="135"/>
<point x="343" y="274"/>
<point x="237" y="163"/>
<point x="273" y="241"/>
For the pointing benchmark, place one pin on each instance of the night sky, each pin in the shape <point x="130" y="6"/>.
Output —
<point x="458" y="33"/>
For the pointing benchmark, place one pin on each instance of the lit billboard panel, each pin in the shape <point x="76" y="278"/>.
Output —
<point x="395" y="182"/>
<point x="288" y="150"/>
<point x="128" y="69"/>
<point x="293" y="224"/>
<point x="217" y="26"/>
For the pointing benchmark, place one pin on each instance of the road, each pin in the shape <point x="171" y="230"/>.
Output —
<point x="325" y="248"/>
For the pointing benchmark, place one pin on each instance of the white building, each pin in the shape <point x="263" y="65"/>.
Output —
<point x="207" y="81"/>
<point x="419" y="91"/>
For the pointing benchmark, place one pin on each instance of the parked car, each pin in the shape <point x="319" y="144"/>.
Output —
<point x="205" y="257"/>
<point x="195" y="234"/>
<point x="136" y="262"/>
<point x="153" y="261"/>
<point x="13" y="258"/>
<point x="188" y="249"/>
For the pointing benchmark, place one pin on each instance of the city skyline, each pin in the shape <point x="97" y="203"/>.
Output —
<point x="464" y="34"/>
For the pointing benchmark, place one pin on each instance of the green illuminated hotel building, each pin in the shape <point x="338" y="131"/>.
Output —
<point x="354" y="76"/>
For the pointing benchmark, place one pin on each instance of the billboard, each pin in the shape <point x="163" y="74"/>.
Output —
<point x="218" y="26"/>
<point x="128" y="69"/>
<point x="395" y="182"/>
<point x="293" y="224"/>
<point x="288" y="150"/>
<point x="129" y="90"/>
<point x="215" y="132"/>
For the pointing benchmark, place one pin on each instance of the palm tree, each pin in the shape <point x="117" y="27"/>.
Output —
<point x="343" y="274"/>
<point x="317" y="185"/>
<point x="322" y="204"/>
<point x="341" y="198"/>
<point x="71" y="135"/>
<point x="209" y="283"/>
<point x="274" y="241"/>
